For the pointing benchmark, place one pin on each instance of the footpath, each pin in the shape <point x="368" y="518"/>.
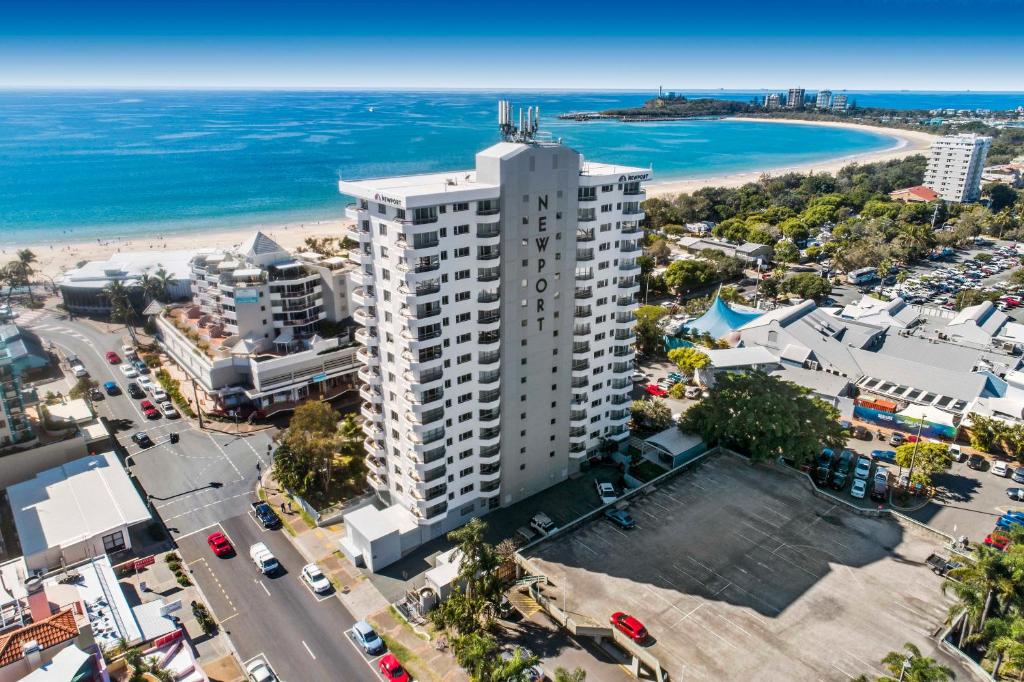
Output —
<point x="414" y="647"/>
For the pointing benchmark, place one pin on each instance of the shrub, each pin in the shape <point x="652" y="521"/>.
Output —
<point x="183" y="580"/>
<point x="171" y="557"/>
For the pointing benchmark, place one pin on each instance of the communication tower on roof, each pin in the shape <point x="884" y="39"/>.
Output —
<point x="526" y="131"/>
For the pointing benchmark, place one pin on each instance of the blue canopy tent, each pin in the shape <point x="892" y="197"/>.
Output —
<point x="720" y="319"/>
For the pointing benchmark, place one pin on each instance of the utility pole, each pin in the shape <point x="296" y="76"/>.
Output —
<point x="199" y="409"/>
<point x="913" y="455"/>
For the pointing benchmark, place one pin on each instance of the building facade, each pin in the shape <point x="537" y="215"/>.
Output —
<point x="824" y="99"/>
<point x="16" y="358"/>
<point x="498" y="310"/>
<point x="772" y="101"/>
<point x="795" y="99"/>
<point x="253" y="336"/>
<point x="84" y="289"/>
<point x="955" y="165"/>
<point x="839" y="103"/>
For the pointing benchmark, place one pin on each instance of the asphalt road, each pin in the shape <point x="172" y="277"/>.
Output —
<point x="300" y="635"/>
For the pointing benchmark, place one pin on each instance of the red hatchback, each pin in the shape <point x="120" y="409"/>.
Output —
<point x="219" y="544"/>
<point x="113" y="358"/>
<point x="656" y="390"/>
<point x="629" y="626"/>
<point x="391" y="670"/>
<point x="149" y="410"/>
<point x="997" y="540"/>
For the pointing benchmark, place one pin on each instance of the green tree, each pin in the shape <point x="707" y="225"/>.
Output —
<point x="910" y="665"/>
<point x="313" y="445"/>
<point x="685" y="275"/>
<point x="82" y="388"/>
<point x="928" y="459"/>
<point x="786" y="252"/>
<point x="22" y="269"/>
<point x="807" y="285"/>
<point x="577" y="675"/>
<point x="121" y="308"/>
<point x="1000" y="196"/>
<point x="471" y="607"/>
<point x="765" y="417"/>
<point x="659" y="250"/>
<point x="688" y="360"/>
<point x="651" y="415"/>
<point x="648" y="333"/>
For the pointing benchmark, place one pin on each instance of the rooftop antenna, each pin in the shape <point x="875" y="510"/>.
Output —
<point x="529" y="123"/>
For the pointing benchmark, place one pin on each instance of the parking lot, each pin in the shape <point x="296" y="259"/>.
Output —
<point x="738" y="572"/>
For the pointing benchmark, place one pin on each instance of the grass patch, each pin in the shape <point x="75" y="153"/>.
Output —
<point x="401" y="653"/>
<point x="306" y="517"/>
<point x="645" y="470"/>
<point x="405" y="624"/>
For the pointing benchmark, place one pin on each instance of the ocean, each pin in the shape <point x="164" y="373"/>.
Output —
<point x="78" y="165"/>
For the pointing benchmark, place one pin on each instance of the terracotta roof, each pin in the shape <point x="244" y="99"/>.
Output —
<point x="54" y="630"/>
<point x="920" y="191"/>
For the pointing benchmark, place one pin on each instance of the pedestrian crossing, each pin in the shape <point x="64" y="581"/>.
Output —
<point x="28" y="318"/>
<point x="60" y="329"/>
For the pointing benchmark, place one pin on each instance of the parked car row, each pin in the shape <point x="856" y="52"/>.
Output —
<point x="870" y="478"/>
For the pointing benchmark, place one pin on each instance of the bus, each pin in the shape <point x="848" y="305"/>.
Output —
<point x="861" y="275"/>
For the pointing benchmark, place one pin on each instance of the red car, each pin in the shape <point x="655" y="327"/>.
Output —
<point x="656" y="390"/>
<point x="113" y="358"/>
<point x="629" y="626"/>
<point x="149" y="410"/>
<point x="997" y="540"/>
<point x="220" y="545"/>
<point x="391" y="670"/>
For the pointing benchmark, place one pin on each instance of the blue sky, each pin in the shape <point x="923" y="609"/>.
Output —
<point x="857" y="44"/>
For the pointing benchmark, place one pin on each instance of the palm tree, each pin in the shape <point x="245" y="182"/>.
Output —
<point x="910" y="666"/>
<point x="163" y="279"/>
<point x="121" y="309"/>
<point x="1005" y="637"/>
<point x="986" y="579"/>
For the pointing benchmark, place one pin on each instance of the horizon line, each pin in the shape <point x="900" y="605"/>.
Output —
<point x="344" y="88"/>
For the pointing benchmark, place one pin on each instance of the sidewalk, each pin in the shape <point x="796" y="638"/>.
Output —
<point x="415" y="650"/>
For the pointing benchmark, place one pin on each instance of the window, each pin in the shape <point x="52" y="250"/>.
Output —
<point x="464" y="378"/>
<point x="461" y="252"/>
<point x="463" y="317"/>
<point x="465" y="398"/>
<point x="382" y="209"/>
<point x="607" y="188"/>
<point x="464" y="358"/>
<point x="465" y="417"/>
<point x="464" y="206"/>
<point x="605" y="208"/>
<point x="462" y="296"/>
<point x="465" y="436"/>
<point x="463" y="338"/>
<point x="382" y="229"/>
<point x="467" y="489"/>
<point x="113" y="542"/>
<point x="462" y="274"/>
<point x="465" y="472"/>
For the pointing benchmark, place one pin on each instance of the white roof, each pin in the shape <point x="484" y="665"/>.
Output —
<point x="83" y="499"/>
<point x="61" y="668"/>
<point x="73" y="411"/>
<point x="130" y="265"/>
<point x="462" y="184"/>
<point x="373" y="523"/>
<point x="740" y="357"/>
<point x="870" y="310"/>
<point x="673" y="441"/>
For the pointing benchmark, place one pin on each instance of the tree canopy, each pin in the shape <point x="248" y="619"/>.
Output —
<point x="930" y="459"/>
<point x="765" y="417"/>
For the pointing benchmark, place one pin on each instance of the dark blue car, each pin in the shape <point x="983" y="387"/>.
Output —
<point x="884" y="456"/>
<point x="1009" y="520"/>
<point x="265" y="515"/>
<point x="111" y="388"/>
<point x="620" y="518"/>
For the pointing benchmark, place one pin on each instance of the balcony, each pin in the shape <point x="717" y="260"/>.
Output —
<point x="580" y="382"/>
<point x="377" y="483"/>
<point x="488" y="230"/>
<point x="628" y="286"/>
<point x="489" y="357"/>
<point x="488" y="297"/>
<point x="584" y="275"/>
<point x="488" y="274"/>
<point x="629" y="247"/>
<point x="427" y="437"/>
<point x="625" y="317"/>
<point x="370" y="376"/>
<point x="420" y="312"/>
<point x="374" y="448"/>
<point x="618" y="384"/>
<point x="629" y="265"/>
<point x="488" y="338"/>
<point x="368" y="357"/>
<point x="619" y="416"/>
<point x="577" y="448"/>
<point x="376" y="466"/>
<point x="490" y="489"/>
<point x="583" y="255"/>
<point x="490" y="472"/>
<point x="632" y="188"/>
<point x="490" y="451"/>
<point x="489" y="436"/>
<point x="621" y="399"/>
<point x="487" y="253"/>
<point x="488" y="317"/>
<point x="425" y="376"/>
<point x="371" y="414"/>
<point x="581" y="330"/>
<point x="587" y="194"/>
<point x="425" y="397"/>
<point x="624" y="301"/>
<point x="489" y="377"/>
<point x="488" y="207"/>
<point x="436" y="492"/>
<point x="585" y="235"/>
<point x="361" y="296"/>
<point x="630" y="227"/>
<point x="365" y="316"/>
<point x="582" y="311"/>
<point x="355" y="232"/>
<point x="581" y="347"/>
<point x="578" y="432"/>
<point x="361" y="277"/>
<point x="373" y="430"/>
<point x="423" y="334"/>
<point x="489" y="396"/>
<point x="367" y="337"/>
<point x="580" y="365"/>
<point x="624" y="335"/>
<point x="578" y="416"/>
<point x="426" y="265"/>
<point x="622" y="368"/>
<point x="489" y="415"/>
<point x="632" y="208"/>
<point x="371" y="395"/>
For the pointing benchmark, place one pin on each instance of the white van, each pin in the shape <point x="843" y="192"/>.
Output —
<point x="264" y="559"/>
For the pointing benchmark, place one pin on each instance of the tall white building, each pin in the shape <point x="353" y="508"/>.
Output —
<point x="823" y="100"/>
<point x="955" y="163"/>
<point x="795" y="99"/>
<point x="839" y="103"/>
<point x="498" y="305"/>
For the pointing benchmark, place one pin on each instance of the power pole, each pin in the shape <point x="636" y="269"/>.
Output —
<point x="199" y="409"/>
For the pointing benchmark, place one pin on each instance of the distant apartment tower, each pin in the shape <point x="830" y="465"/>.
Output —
<point x="823" y="100"/>
<point x="773" y="101"/>
<point x="795" y="99"/>
<point x="499" y="305"/>
<point x="955" y="164"/>
<point x="839" y="103"/>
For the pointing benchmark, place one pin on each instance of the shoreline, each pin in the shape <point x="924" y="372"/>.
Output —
<point x="291" y="235"/>
<point x="908" y="143"/>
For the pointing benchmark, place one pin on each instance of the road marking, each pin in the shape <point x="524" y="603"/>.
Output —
<point x="263" y="586"/>
<point x="308" y="650"/>
<point x="196" y="509"/>
<point x="223" y="452"/>
<point x="732" y="624"/>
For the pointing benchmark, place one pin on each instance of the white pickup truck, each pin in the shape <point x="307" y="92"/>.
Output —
<point x="264" y="559"/>
<point x="543" y="524"/>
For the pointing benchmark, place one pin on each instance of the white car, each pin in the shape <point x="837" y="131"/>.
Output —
<point x="79" y="371"/>
<point x="606" y="491"/>
<point x="859" y="488"/>
<point x="999" y="468"/>
<point x="168" y="410"/>
<point x="315" y="578"/>
<point x="639" y="376"/>
<point x="160" y="395"/>
<point x="146" y="384"/>
<point x="128" y="351"/>
<point x="863" y="469"/>
<point x="258" y="670"/>
<point x="692" y="392"/>
<point x="129" y="371"/>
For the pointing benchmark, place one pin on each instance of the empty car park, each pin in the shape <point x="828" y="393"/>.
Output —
<point x="738" y="573"/>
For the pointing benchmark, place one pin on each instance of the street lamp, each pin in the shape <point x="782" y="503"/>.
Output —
<point x="907" y="664"/>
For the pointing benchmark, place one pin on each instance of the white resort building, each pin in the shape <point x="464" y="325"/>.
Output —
<point x="498" y="311"/>
<point x="253" y="337"/>
<point x="955" y="164"/>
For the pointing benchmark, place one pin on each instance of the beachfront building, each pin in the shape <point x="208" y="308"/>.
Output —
<point x="839" y="103"/>
<point x="498" y="311"/>
<point x="264" y="330"/>
<point x="83" y="289"/>
<point x="955" y="165"/>
<point x="795" y="99"/>
<point x="772" y="101"/>
<point x="823" y="99"/>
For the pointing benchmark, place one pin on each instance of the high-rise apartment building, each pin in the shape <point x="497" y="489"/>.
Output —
<point x="499" y="305"/>
<point x="795" y="99"/>
<point x="823" y="100"/>
<point x="839" y="103"/>
<point x="772" y="101"/>
<point x="955" y="163"/>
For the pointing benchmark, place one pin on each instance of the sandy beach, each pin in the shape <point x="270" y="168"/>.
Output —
<point x="55" y="258"/>
<point x="908" y="142"/>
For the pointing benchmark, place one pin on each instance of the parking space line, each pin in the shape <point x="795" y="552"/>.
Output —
<point x="732" y="623"/>
<point x="263" y="586"/>
<point x="362" y="655"/>
<point x="308" y="650"/>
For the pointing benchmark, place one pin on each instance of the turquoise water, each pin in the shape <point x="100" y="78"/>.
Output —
<point x="82" y="165"/>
